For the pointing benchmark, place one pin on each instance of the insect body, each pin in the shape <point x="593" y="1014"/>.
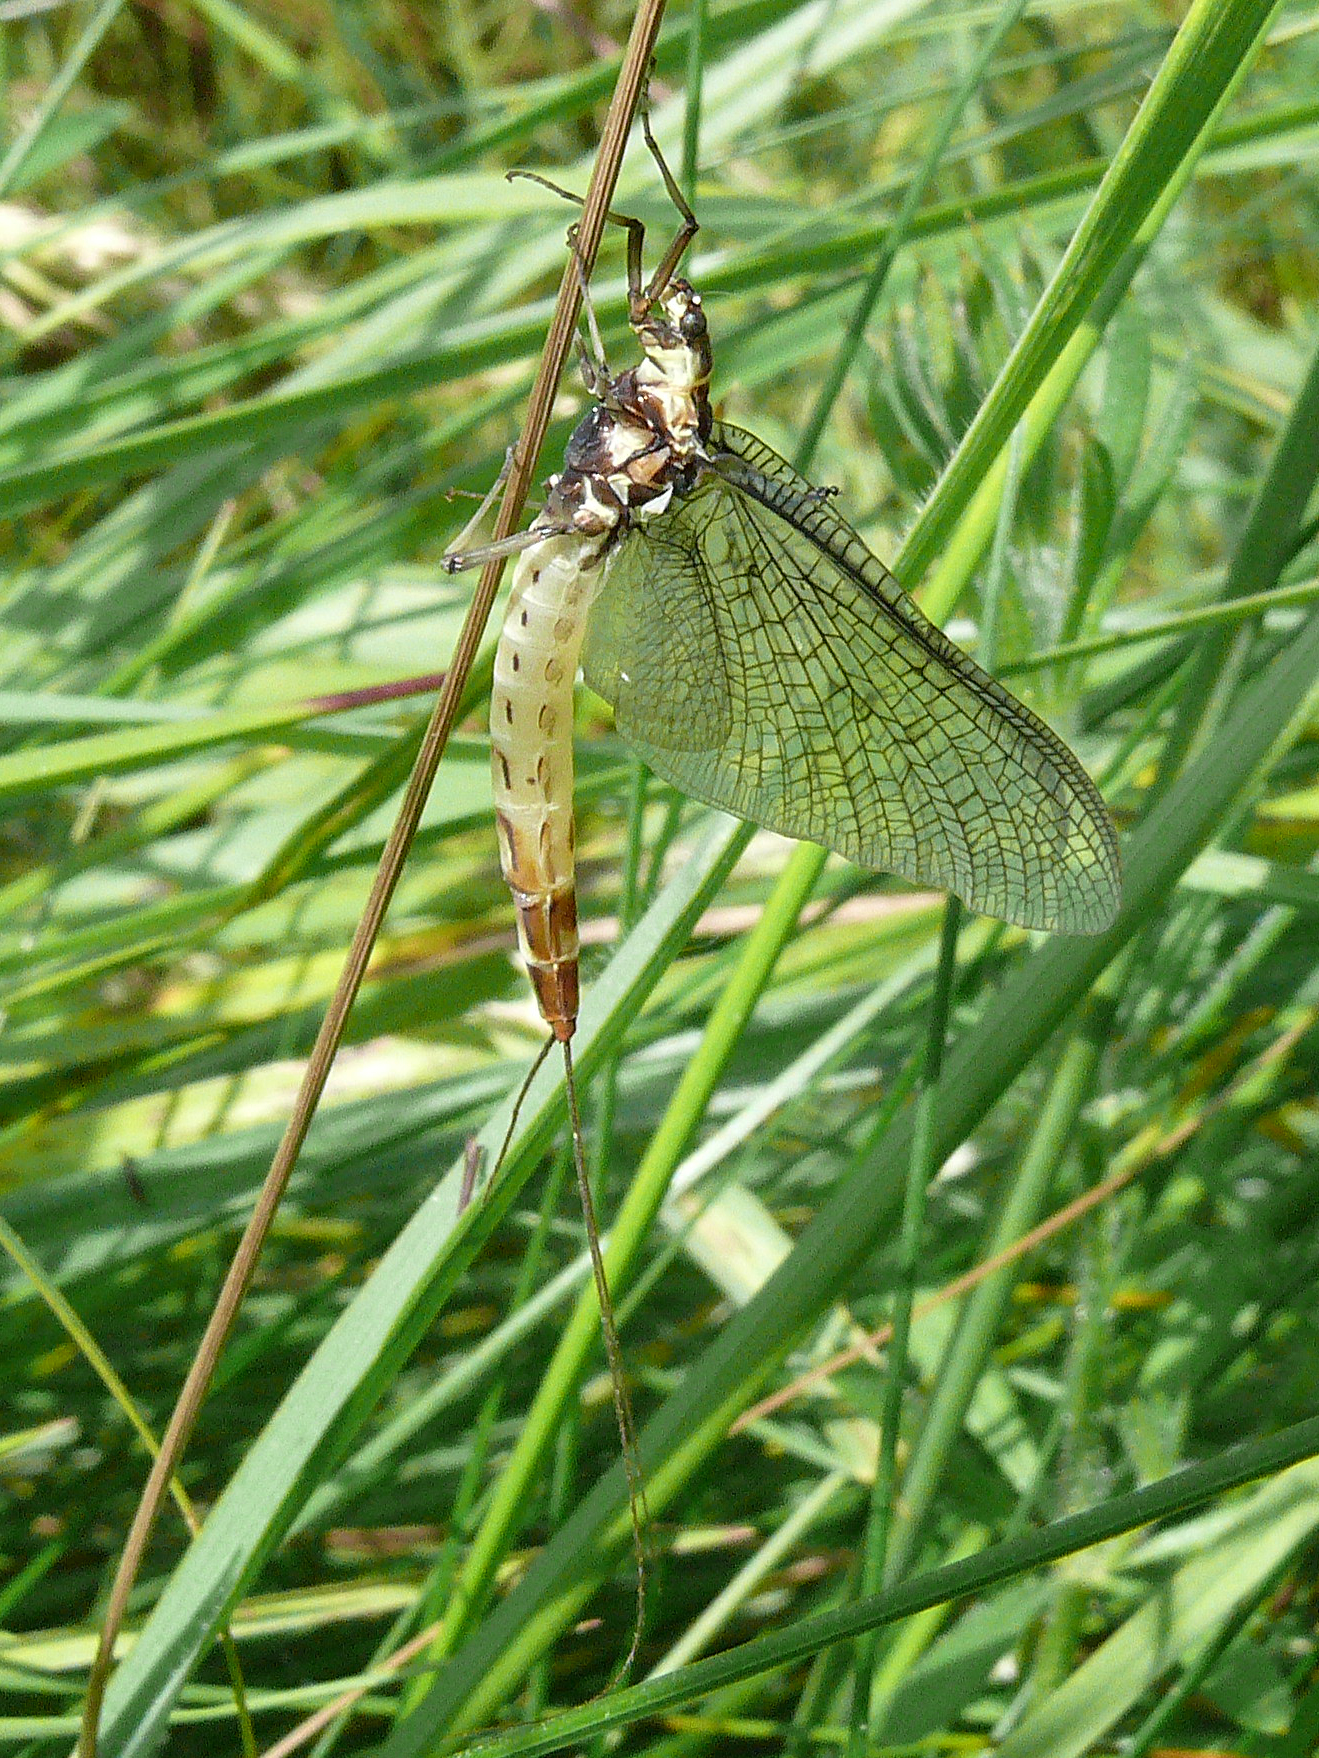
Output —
<point x="622" y="468"/>
<point x="757" y="656"/>
<point x="531" y="704"/>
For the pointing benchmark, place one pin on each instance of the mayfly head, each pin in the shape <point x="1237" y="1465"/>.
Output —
<point x="674" y="336"/>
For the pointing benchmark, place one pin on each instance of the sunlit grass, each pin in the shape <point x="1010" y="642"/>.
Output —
<point x="266" y="297"/>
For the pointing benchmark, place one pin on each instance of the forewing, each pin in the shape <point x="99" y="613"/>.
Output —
<point x="653" y="646"/>
<point x="818" y="701"/>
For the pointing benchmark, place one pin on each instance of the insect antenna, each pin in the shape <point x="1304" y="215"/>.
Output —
<point x="627" y="1435"/>
<point x="458" y="558"/>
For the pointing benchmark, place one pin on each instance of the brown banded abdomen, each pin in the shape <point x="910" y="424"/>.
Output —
<point x="531" y="725"/>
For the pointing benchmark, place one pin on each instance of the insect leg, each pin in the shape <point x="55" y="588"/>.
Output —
<point x="457" y="561"/>
<point x="636" y="231"/>
<point x="639" y="299"/>
<point x="458" y="558"/>
<point x="640" y="303"/>
<point x="473" y="525"/>
<point x="636" y="239"/>
<point x="595" y="367"/>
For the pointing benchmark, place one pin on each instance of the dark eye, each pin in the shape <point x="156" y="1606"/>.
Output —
<point x="692" y="327"/>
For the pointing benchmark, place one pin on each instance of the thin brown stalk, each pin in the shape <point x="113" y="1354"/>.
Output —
<point x="613" y="140"/>
<point x="306" y="1731"/>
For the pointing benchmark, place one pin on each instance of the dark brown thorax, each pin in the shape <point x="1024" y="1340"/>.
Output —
<point x="644" y="439"/>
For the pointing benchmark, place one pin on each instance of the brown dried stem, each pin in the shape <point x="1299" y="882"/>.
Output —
<point x="613" y="140"/>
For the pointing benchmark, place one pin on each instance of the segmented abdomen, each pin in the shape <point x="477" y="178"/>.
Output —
<point x="532" y="757"/>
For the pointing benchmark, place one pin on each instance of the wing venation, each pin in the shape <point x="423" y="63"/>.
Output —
<point x="760" y="658"/>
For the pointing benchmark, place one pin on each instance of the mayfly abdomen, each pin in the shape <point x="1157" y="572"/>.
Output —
<point x="531" y="724"/>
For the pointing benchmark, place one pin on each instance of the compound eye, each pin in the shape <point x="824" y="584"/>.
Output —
<point x="692" y="327"/>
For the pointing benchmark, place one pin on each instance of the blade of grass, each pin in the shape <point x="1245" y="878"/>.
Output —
<point x="846" y="352"/>
<point x="921" y="1168"/>
<point x="1290" y="1504"/>
<point x="360" y="1357"/>
<point x="977" y="1329"/>
<point x="590" y="229"/>
<point x="1170" y="1624"/>
<point x="1013" y="1028"/>
<point x="1209" y="57"/>
<point x="29" y="136"/>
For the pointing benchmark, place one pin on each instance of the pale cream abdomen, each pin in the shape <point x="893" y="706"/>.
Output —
<point x="531" y="723"/>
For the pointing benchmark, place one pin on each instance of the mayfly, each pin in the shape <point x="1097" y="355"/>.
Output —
<point x="759" y="658"/>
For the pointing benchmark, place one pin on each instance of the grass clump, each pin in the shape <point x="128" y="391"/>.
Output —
<point x="266" y="299"/>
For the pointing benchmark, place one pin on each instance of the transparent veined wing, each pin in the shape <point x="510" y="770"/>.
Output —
<point x="757" y="656"/>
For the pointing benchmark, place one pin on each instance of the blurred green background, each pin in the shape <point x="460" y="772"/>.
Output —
<point x="266" y="299"/>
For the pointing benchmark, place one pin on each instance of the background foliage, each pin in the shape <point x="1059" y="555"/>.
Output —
<point x="266" y="298"/>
